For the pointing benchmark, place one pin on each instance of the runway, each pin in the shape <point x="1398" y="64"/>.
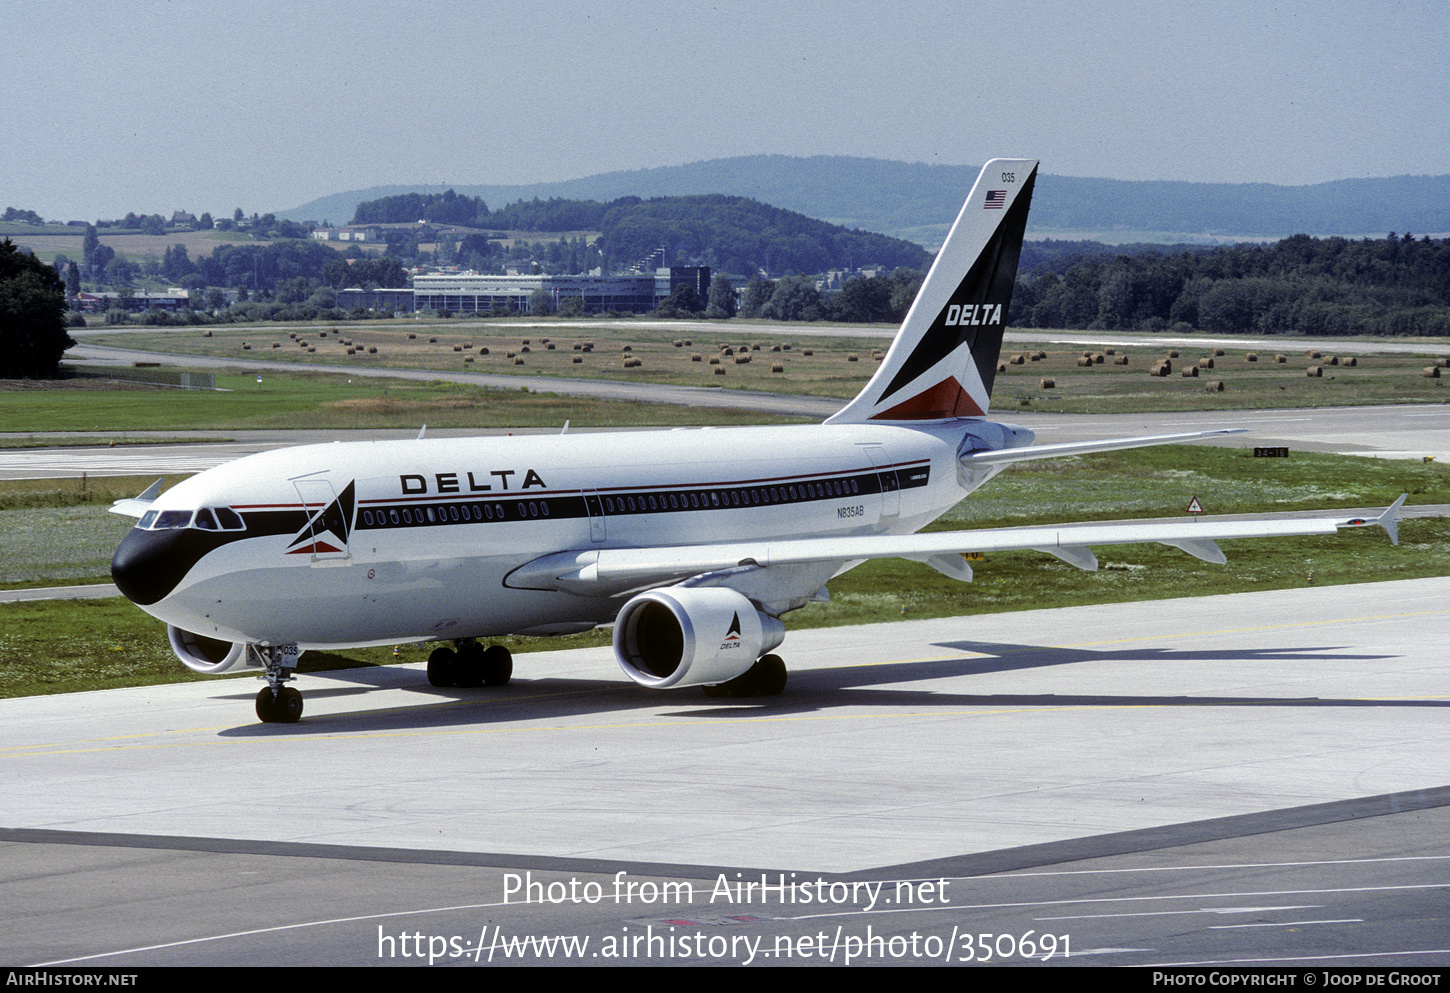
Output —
<point x="1262" y="776"/>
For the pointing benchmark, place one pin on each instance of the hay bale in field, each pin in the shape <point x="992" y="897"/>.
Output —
<point x="696" y="357"/>
<point x="1217" y="352"/>
<point x="1084" y="361"/>
<point x="1251" y="357"/>
<point x="411" y="336"/>
<point x="372" y="349"/>
<point x="1281" y="359"/>
<point x="627" y="348"/>
<point x="1314" y="372"/>
<point x="549" y="346"/>
<point x="1173" y="353"/>
<point x="1191" y="372"/>
<point x="1120" y="360"/>
<point x="1312" y="354"/>
<point x="246" y="347"/>
<point x="777" y="367"/>
<point x="852" y="357"/>
<point x="719" y="370"/>
<point x="483" y="350"/>
<point x="1047" y="383"/>
<point x="1161" y="368"/>
<point x="1099" y="358"/>
<point x="525" y="350"/>
<point x="1431" y="372"/>
<point x="432" y="341"/>
<point x="458" y="348"/>
<point x="1332" y="360"/>
<point x="468" y="358"/>
<point x="1350" y="360"/>
<point x="714" y="360"/>
<point x="1018" y="360"/>
<point x="519" y="360"/>
<point x="1001" y="366"/>
<point x="1205" y="363"/>
<point x="743" y="358"/>
<point x="578" y="359"/>
<point x="1213" y="386"/>
<point x="775" y="348"/>
<point x="808" y="352"/>
<point x="509" y="354"/>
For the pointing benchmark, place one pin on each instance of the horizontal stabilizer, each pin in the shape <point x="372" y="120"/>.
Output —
<point x="1030" y="452"/>
<point x="137" y="505"/>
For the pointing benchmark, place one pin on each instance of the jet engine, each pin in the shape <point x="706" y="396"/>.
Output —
<point x="205" y="654"/>
<point x="691" y="636"/>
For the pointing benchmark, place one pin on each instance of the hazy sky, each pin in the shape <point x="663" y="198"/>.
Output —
<point x="154" y="106"/>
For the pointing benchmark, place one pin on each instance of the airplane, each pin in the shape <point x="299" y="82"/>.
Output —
<point x="694" y="542"/>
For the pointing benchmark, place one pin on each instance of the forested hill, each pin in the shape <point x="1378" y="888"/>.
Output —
<point x="729" y="234"/>
<point x="916" y="201"/>
<point x="1398" y="285"/>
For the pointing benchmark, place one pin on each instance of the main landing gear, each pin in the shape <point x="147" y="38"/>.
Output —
<point x="278" y="703"/>
<point x="470" y="665"/>
<point x="765" y="678"/>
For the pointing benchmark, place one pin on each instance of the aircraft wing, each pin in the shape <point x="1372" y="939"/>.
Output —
<point x="1005" y="455"/>
<point x="614" y="570"/>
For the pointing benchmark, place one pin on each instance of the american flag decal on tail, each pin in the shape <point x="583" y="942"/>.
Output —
<point x="996" y="200"/>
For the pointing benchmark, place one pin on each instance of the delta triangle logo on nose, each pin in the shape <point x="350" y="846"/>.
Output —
<point x="327" y="531"/>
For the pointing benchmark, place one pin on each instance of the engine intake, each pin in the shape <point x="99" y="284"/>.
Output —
<point x="204" y="654"/>
<point x="691" y="636"/>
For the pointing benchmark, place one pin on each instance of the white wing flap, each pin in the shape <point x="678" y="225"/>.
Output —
<point x="1029" y="452"/>
<point x="611" y="570"/>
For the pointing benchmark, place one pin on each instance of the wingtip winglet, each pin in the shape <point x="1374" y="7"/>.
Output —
<point x="1389" y="520"/>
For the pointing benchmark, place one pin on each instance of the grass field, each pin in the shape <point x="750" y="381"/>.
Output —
<point x="781" y="363"/>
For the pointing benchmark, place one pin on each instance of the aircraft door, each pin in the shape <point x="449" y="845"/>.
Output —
<point x="889" y="482"/>
<point x="595" y="507"/>
<point x="329" y="522"/>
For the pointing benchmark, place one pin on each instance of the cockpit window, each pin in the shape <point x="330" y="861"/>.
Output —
<point x="230" y="520"/>
<point x="205" y="519"/>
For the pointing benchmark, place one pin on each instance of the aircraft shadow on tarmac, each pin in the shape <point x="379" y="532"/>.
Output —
<point x="809" y="691"/>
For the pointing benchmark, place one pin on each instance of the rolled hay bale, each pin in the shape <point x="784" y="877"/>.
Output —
<point x="1217" y="352"/>
<point x="432" y="341"/>
<point x="777" y="367"/>
<point x="678" y="343"/>
<point x="1042" y="355"/>
<point x="483" y="350"/>
<point x="322" y="334"/>
<point x="743" y="358"/>
<point x="310" y="348"/>
<point x="1162" y="368"/>
<point x="458" y="348"/>
<point x="276" y="344"/>
<point x="627" y="348"/>
<point x="719" y="370"/>
<point x="1350" y="360"/>
<point x="688" y="343"/>
<point x="1018" y="360"/>
<point x="578" y="359"/>
<point x="1251" y="357"/>
<point x="1213" y="386"/>
<point x="588" y="346"/>
<point x="1120" y="360"/>
<point x="726" y="350"/>
<point x="714" y="360"/>
<point x="468" y="358"/>
<point x="1001" y="366"/>
<point x="525" y="341"/>
<point x="246" y="347"/>
<point x="808" y="352"/>
<point x="785" y="346"/>
<point x="1281" y="359"/>
<point x="207" y="334"/>
<point x="1099" y="358"/>
<point x="293" y="335"/>
<point x="1313" y="353"/>
<point x="1084" y="361"/>
<point x="509" y="354"/>
<point x="1331" y="360"/>
<point x="1205" y="363"/>
<point x="755" y="348"/>
<point x="1314" y="372"/>
<point x="1110" y="351"/>
<point x="372" y="349"/>
<point x="352" y="351"/>
<point x="411" y="336"/>
<point x="525" y="350"/>
<point x="852" y="357"/>
<point x="1047" y="383"/>
<point x="577" y="346"/>
<point x="1431" y="372"/>
<point x="519" y="360"/>
<point x="1173" y="353"/>
<point x="1191" y="372"/>
<point x="697" y="357"/>
<point x="775" y="348"/>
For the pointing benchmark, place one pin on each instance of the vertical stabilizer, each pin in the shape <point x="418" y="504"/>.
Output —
<point x="944" y="358"/>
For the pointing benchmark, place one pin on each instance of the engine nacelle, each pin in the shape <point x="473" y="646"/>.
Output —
<point x="205" y="654"/>
<point x="691" y="636"/>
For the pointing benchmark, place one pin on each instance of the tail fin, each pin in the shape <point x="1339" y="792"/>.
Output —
<point x="944" y="358"/>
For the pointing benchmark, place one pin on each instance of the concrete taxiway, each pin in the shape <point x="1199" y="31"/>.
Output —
<point x="1271" y="734"/>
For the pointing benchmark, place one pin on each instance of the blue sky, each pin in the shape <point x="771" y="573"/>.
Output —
<point x="154" y="106"/>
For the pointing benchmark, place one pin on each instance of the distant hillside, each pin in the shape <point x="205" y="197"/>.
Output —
<point x="918" y="202"/>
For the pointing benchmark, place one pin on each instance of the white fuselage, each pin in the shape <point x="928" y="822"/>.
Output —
<point x="380" y="542"/>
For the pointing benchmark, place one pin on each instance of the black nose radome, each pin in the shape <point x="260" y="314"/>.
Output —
<point x="149" y="564"/>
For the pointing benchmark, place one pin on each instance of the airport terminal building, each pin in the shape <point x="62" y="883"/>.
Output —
<point x="469" y="293"/>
